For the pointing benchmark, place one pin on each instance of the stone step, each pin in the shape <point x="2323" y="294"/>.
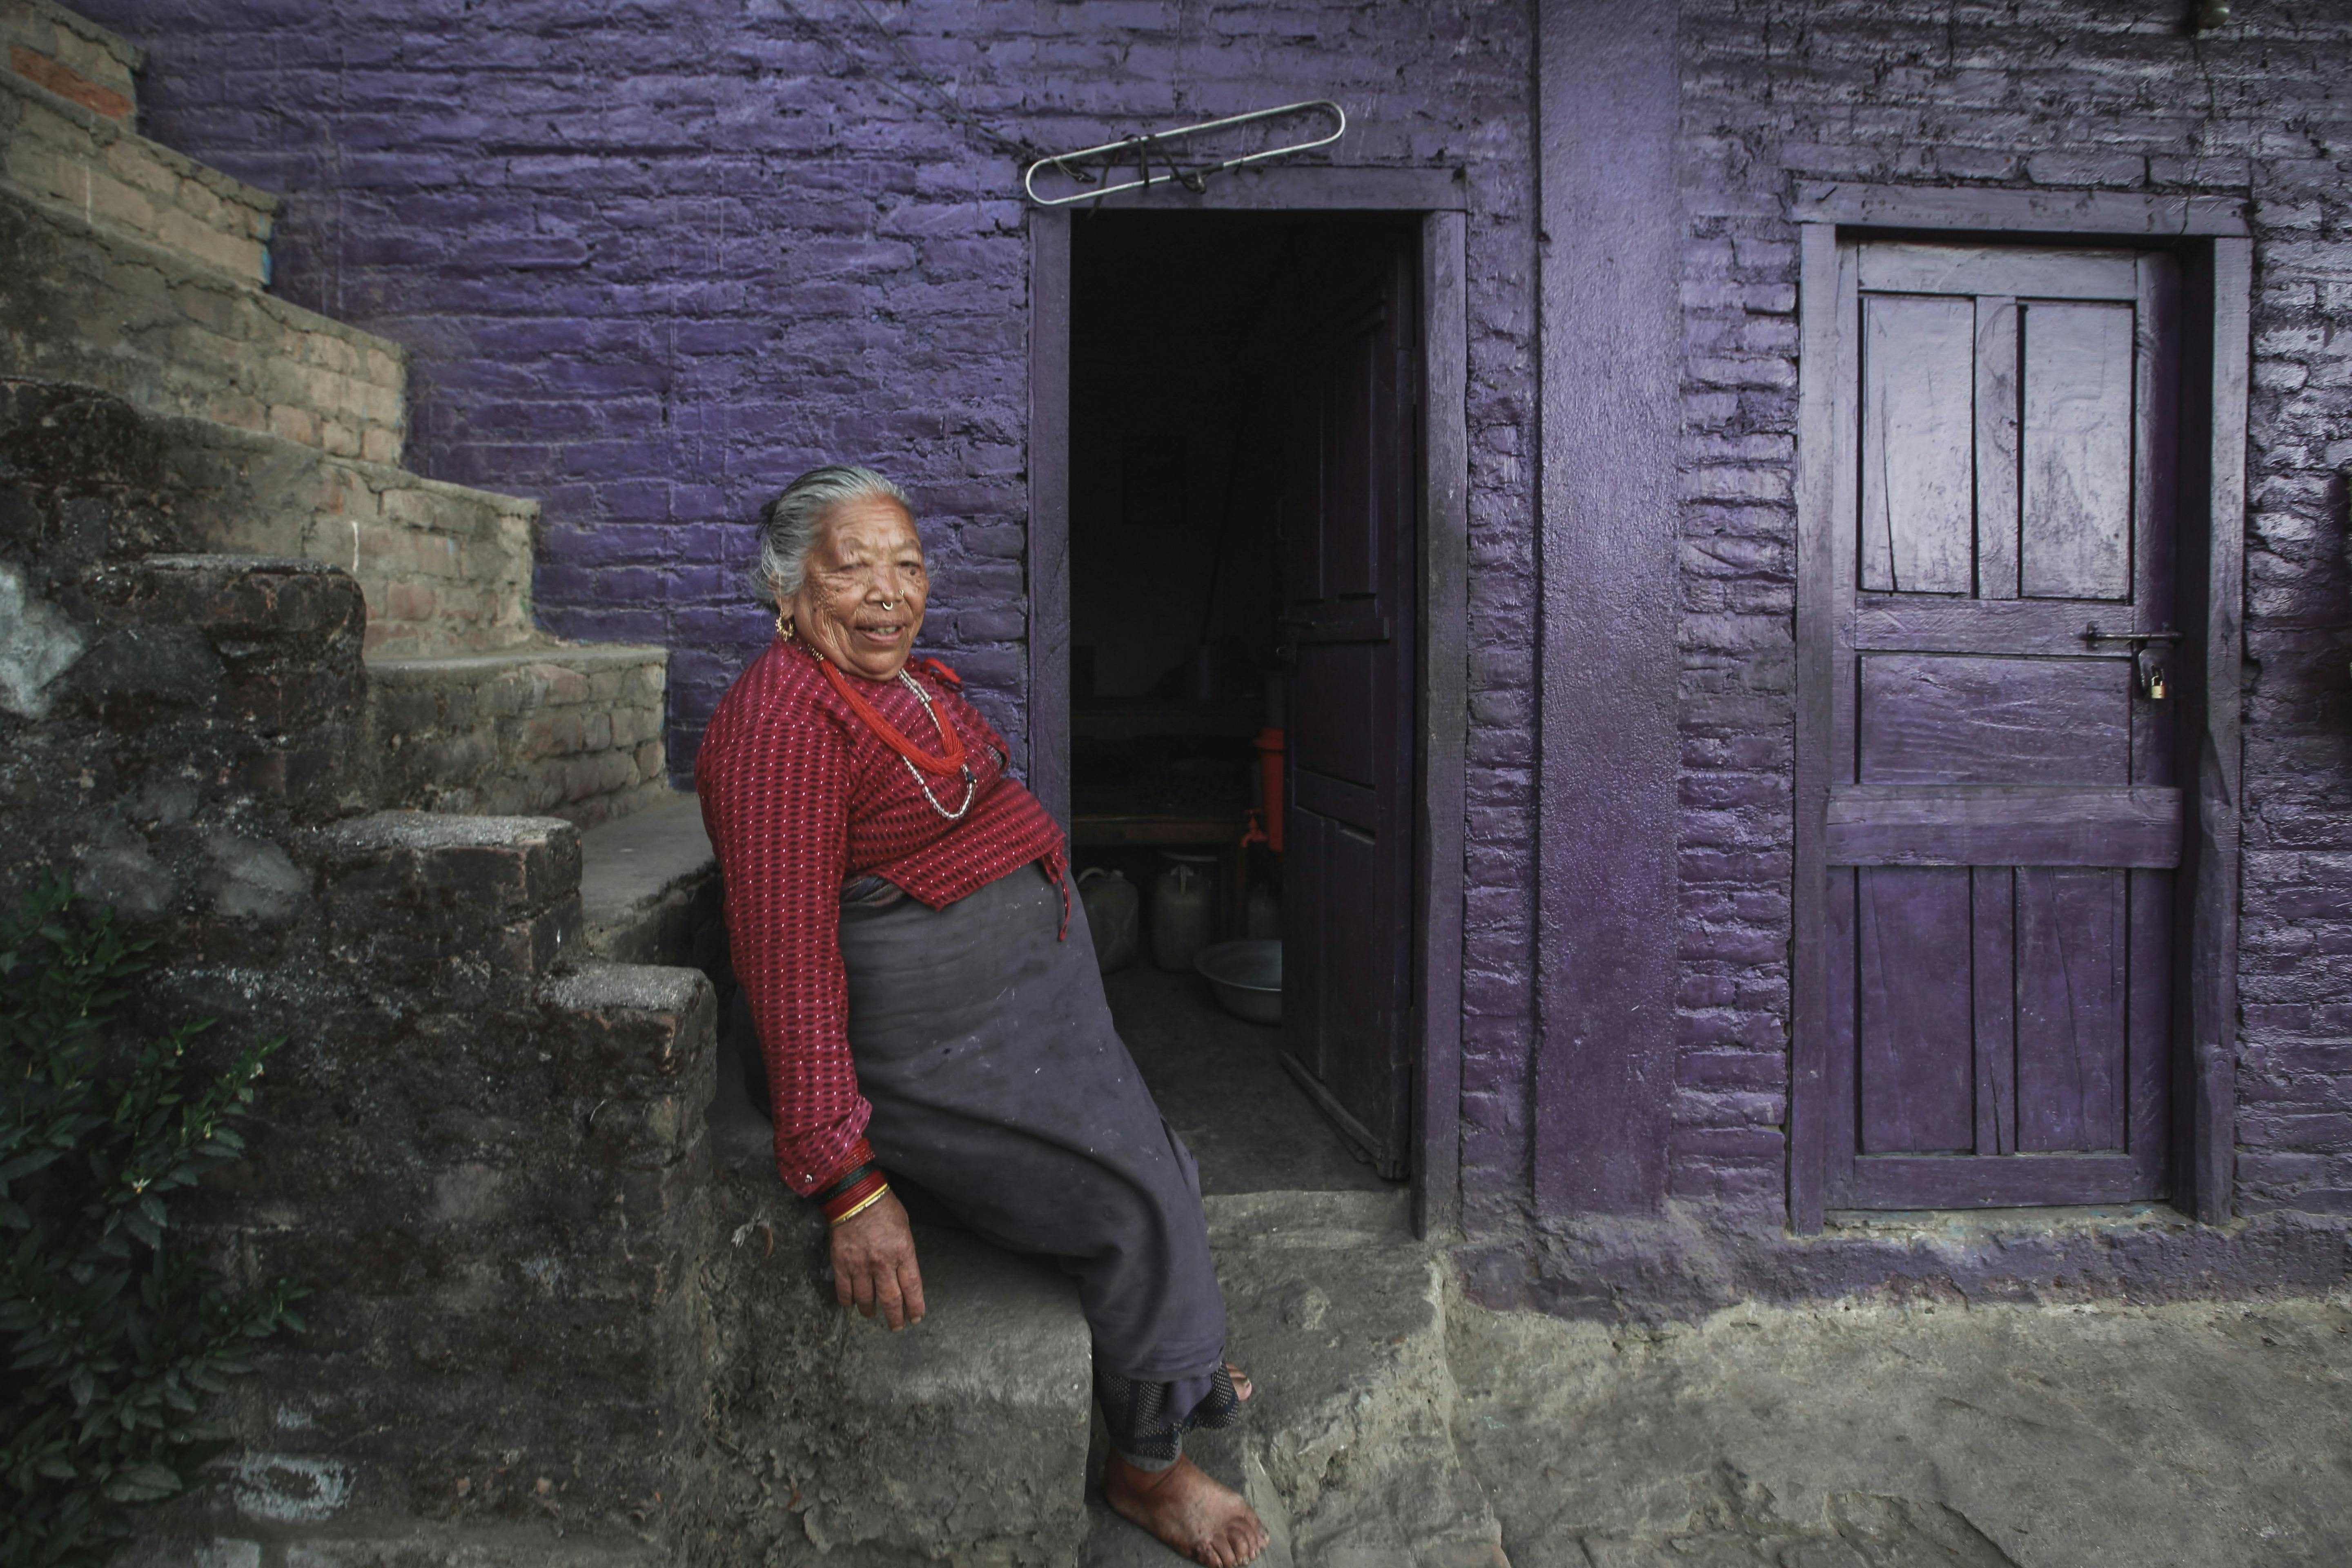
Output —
<point x="546" y="728"/>
<point x="54" y="148"/>
<point x="73" y="56"/>
<point x="397" y="1541"/>
<point x="1333" y="1307"/>
<point x="452" y="906"/>
<point x="649" y="891"/>
<point x="505" y="1241"/>
<point x="90" y="303"/>
<point x="446" y="569"/>
<point x="961" y="1439"/>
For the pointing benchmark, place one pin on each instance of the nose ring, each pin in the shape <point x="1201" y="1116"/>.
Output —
<point x="889" y="603"/>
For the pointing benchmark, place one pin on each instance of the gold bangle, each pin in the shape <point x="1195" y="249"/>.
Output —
<point x="867" y="1202"/>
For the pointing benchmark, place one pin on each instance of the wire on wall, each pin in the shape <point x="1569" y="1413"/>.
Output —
<point x="1079" y="166"/>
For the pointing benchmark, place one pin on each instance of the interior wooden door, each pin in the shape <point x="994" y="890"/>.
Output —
<point x="2004" y="815"/>
<point x="1348" y="607"/>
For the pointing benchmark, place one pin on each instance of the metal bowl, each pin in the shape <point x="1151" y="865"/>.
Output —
<point x="1246" y="977"/>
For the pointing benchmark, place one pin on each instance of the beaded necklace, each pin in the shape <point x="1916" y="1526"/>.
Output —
<point x="915" y="758"/>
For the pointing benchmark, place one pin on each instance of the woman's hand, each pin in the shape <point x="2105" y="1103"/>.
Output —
<point x="873" y="1263"/>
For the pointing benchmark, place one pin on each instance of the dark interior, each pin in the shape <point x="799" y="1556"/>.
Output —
<point x="1183" y="326"/>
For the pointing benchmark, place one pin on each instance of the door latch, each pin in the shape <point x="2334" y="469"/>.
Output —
<point x="2147" y="672"/>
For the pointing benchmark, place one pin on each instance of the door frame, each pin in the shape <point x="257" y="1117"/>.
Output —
<point x="2210" y="235"/>
<point x="1440" y="678"/>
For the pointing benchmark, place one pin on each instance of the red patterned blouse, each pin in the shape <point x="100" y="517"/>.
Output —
<point x="800" y="794"/>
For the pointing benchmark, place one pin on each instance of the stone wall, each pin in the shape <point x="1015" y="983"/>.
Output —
<point x="479" y="1150"/>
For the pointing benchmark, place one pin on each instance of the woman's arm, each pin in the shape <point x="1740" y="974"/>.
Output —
<point x="777" y="804"/>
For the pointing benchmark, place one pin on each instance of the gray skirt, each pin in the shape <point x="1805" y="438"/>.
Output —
<point x="999" y="1085"/>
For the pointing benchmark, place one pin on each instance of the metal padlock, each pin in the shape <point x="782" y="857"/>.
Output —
<point x="2151" y="682"/>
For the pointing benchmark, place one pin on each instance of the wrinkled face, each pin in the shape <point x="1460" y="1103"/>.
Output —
<point x="862" y="590"/>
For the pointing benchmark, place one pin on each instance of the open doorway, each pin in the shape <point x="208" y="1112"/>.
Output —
<point x="1244" y="469"/>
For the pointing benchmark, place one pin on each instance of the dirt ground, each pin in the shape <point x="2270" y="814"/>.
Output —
<point x="1896" y="1436"/>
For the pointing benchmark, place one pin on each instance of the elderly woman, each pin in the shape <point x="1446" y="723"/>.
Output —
<point x="929" y="1011"/>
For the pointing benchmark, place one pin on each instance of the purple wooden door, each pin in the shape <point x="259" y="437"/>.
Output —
<point x="1348" y="614"/>
<point x="2004" y="815"/>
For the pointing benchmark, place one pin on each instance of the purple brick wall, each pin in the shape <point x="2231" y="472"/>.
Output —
<point x="2043" y="93"/>
<point x="654" y="261"/>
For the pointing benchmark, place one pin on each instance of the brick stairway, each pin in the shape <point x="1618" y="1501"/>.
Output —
<point x="138" y="272"/>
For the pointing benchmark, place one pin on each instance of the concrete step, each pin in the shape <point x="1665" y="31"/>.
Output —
<point x="73" y="56"/>
<point x="649" y="889"/>
<point x="544" y="728"/>
<point x="90" y="303"/>
<point x="1347" y="1452"/>
<point x="54" y="148"/>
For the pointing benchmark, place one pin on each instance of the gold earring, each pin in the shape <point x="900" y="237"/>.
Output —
<point x="784" y="626"/>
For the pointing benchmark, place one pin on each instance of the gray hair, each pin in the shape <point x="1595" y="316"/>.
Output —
<point x="788" y="524"/>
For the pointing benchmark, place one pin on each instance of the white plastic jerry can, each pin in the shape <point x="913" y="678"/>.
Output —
<point x="1114" y="916"/>
<point x="1180" y="914"/>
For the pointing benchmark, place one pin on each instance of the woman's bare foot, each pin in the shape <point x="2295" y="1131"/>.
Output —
<point x="1243" y="1387"/>
<point x="1181" y="1506"/>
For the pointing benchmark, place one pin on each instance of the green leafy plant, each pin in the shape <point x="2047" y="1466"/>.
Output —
<point x="114" y="1335"/>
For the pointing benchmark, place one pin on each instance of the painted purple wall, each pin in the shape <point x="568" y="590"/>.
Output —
<point x="2067" y="94"/>
<point x="654" y="262"/>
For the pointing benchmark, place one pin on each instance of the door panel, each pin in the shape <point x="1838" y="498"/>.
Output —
<point x="1358" y="1012"/>
<point x="2071" y="948"/>
<point x="1956" y="718"/>
<point x="1348" y="613"/>
<point x="1918" y="482"/>
<point x="1340" y="733"/>
<point x="1992" y="953"/>
<point x="1997" y="270"/>
<point x="1897" y="825"/>
<point x="1357" y="503"/>
<point x="1996" y="437"/>
<point x="1306" y="940"/>
<point x="2004" y="815"/>
<point x="1918" y="1055"/>
<point x="2077" y="450"/>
